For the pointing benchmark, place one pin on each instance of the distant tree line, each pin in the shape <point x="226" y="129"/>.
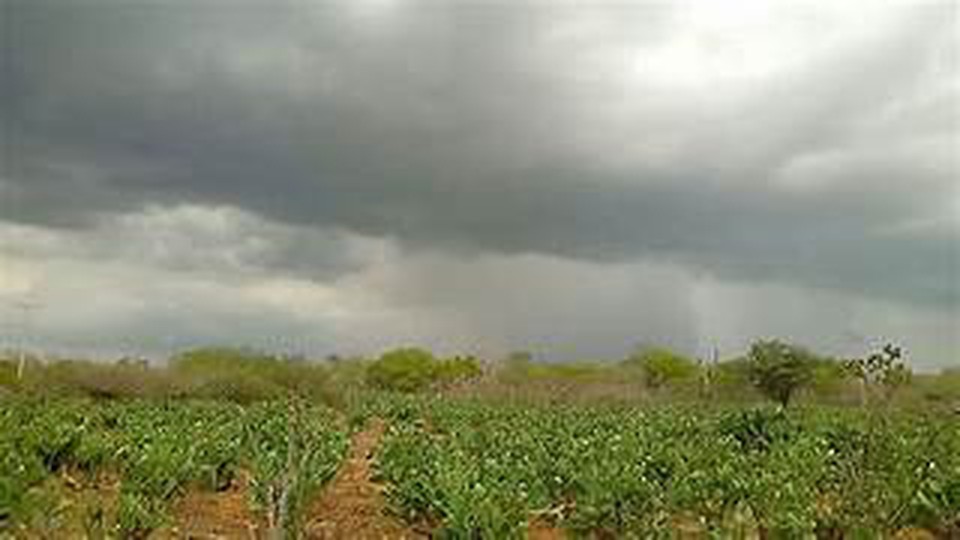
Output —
<point x="771" y="369"/>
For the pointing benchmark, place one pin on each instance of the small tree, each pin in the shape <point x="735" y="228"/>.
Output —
<point x="407" y="370"/>
<point x="779" y="369"/>
<point x="884" y="370"/>
<point x="662" y="367"/>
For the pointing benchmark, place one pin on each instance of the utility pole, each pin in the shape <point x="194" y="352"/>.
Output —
<point x="26" y="307"/>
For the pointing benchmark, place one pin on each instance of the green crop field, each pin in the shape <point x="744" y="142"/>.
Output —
<point x="471" y="468"/>
<point x="224" y="443"/>
<point x="157" y="450"/>
<point x="488" y="469"/>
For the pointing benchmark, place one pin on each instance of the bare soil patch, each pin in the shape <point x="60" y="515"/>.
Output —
<point x="540" y="529"/>
<point x="351" y="506"/>
<point x="215" y="514"/>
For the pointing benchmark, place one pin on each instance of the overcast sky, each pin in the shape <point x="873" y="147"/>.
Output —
<point x="567" y="178"/>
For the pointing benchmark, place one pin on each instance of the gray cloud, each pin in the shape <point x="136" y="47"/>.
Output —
<point x="802" y="146"/>
<point x="482" y="304"/>
<point x="121" y="308"/>
<point x="214" y="241"/>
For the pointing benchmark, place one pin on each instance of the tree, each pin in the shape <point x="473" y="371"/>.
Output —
<point x="779" y="369"/>
<point x="883" y="370"/>
<point x="406" y="370"/>
<point x="662" y="367"/>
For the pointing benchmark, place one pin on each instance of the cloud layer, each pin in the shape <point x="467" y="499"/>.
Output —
<point x="497" y="176"/>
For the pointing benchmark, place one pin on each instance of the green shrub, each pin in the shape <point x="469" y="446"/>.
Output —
<point x="244" y="376"/>
<point x="829" y="381"/>
<point x="779" y="369"/>
<point x="731" y="379"/>
<point x="458" y="368"/>
<point x="406" y="370"/>
<point x="661" y="367"/>
<point x="237" y="388"/>
<point x="98" y="380"/>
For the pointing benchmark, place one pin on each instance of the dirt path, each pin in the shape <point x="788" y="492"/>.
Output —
<point x="222" y="514"/>
<point x="351" y="506"/>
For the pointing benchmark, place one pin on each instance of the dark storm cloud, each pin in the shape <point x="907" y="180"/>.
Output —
<point x="494" y="128"/>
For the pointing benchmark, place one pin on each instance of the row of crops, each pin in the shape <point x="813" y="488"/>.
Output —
<point x="475" y="469"/>
<point x="472" y="469"/>
<point x="158" y="450"/>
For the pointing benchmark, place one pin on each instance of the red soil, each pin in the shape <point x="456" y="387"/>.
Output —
<point x="351" y="506"/>
<point x="208" y="514"/>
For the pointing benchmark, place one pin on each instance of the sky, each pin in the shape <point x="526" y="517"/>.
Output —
<point x="573" y="179"/>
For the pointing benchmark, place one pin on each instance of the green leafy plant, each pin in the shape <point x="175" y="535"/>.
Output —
<point x="779" y="369"/>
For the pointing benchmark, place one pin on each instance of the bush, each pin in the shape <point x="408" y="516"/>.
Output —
<point x="829" y="381"/>
<point x="237" y="375"/>
<point x="208" y="361"/>
<point x="458" y="368"/>
<point x="731" y="379"/>
<point x="122" y="380"/>
<point x="244" y="376"/>
<point x="237" y="388"/>
<point x="406" y="370"/>
<point x="662" y="367"/>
